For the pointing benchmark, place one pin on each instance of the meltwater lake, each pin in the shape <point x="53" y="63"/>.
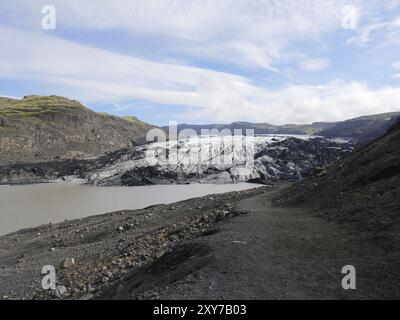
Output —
<point x="32" y="205"/>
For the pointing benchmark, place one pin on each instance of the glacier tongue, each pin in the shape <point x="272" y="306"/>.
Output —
<point x="221" y="159"/>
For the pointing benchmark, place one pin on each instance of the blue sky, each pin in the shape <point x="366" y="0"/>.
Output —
<point x="208" y="61"/>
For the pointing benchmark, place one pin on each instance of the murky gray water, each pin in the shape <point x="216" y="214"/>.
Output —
<point x="32" y="205"/>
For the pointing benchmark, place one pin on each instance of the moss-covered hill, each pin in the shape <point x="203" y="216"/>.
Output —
<point x="39" y="128"/>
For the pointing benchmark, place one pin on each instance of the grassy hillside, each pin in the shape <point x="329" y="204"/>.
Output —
<point x="32" y="106"/>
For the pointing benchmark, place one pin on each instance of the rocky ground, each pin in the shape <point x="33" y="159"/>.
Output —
<point x="107" y="248"/>
<point x="276" y="252"/>
<point x="239" y="245"/>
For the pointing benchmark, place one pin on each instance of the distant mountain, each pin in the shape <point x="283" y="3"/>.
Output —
<point x="261" y="128"/>
<point x="363" y="128"/>
<point x="38" y="128"/>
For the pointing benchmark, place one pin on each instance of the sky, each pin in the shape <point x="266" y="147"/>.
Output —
<point x="206" y="61"/>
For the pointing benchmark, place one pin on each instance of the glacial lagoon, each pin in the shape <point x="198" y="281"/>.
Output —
<point x="32" y="205"/>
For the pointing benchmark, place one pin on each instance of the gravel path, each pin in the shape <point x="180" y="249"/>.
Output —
<point x="281" y="253"/>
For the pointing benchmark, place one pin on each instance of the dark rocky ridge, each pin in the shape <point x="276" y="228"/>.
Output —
<point x="364" y="128"/>
<point x="362" y="190"/>
<point x="37" y="129"/>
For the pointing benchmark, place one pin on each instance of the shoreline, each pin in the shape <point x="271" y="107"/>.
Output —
<point x="103" y="241"/>
<point x="27" y="206"/>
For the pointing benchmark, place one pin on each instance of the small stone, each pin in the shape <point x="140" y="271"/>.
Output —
<point x="53" y="249"/>
<point x="120" y="229"/>
<point x="239" y="242"/>
<point x="219" y="216"/>
<point x="90" y="288"/>
<point x="67" y="263"/>
<point x="61" y="290"/>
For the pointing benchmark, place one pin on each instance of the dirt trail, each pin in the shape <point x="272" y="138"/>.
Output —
<point x="281" y="253"/>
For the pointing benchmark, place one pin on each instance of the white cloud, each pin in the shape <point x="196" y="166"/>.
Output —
<point x="387" y="32"/>
<point x="396" y="65"/>
<point x="315" y="64"/>
<point x="92" y="74"/>
<point x="249" y="34"/>
<point x="334" y="101"/>
<point x="396" y="76"/>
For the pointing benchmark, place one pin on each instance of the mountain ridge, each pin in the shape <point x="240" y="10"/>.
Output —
<point x="43" y="128"/>
<point x="364" y="128"/>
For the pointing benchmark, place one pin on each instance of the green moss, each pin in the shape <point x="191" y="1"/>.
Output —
<point x="32" y="106"/>
<point x="135" y="121"/>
